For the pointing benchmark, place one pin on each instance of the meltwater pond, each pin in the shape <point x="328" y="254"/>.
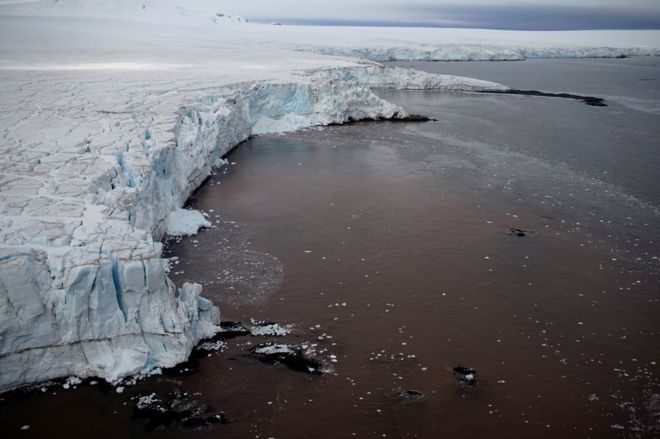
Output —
<point x="389" y="246"/>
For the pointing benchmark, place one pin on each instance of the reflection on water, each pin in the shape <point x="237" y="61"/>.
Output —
<point x="389" y="246"/>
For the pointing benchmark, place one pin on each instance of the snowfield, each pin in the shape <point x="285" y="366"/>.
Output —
<point x="109" y="119"/>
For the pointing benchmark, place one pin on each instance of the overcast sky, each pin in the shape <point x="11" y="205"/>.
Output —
<point x="501" y="14"/>
<point x="495" y="14"/>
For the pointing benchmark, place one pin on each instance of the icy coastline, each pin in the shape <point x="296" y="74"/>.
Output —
<point x="84" y="291"/>
<point x="107" y="130"/>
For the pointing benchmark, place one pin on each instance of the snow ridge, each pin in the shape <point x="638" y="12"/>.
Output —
<point x="88" y="295"/>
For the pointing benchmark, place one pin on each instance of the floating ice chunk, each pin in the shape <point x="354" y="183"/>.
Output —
<point x="274" y="349"/>
<point x="73" y="381"/>
<point x="269" y="329"/>
<point x="150" y="401"/>
<point x="182" y="222"/>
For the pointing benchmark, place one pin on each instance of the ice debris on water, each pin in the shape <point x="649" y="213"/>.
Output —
<point x="265" y="328"/>
<point x="132" y="380"/>
<point x="211" y="345"/>
<point x="72" y="381"/>
<point x="150" y="402"/>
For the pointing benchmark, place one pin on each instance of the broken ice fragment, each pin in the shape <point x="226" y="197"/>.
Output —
<point x="182" y="222"/>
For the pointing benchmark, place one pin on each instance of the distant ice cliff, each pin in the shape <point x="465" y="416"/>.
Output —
<point x="484" y="52"/>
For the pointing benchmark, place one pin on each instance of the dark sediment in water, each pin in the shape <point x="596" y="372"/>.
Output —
<point x="395" y="118"/>
<point x="177" y="407"/>
<point x="589" y="100"/>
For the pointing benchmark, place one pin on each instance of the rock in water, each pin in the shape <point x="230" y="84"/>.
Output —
<point x="518" y="232"/>
<point x="410" y="394"/>
<point x="294" y="357"/>
<point x="466" y="375"/>
<point x="177" y="407"/>
<point x="230" y="329"/>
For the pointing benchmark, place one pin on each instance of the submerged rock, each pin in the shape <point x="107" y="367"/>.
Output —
<point x="300" y="358"/>
<point x="177" y="407"/>
<point x="410" y="394"/>
<point x="466" y="375"/>
<point x="518" y="232"/>
<point x="232" y="329"/>
<point x="652" y="418"/>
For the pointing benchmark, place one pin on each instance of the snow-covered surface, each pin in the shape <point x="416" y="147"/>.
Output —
<point x="107" y="125"/>
<point x="146" y="11"/>
<point x="185" y="222"/>
<point x="372" y="43"/>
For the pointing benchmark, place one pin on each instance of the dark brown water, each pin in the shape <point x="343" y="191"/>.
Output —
<point x="392" y="239"/>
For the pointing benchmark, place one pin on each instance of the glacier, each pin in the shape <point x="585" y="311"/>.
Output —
<point x="107" y="130"/>
<point x="83" y="289"/>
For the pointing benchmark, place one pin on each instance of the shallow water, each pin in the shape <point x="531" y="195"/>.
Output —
<point x="392" y="238"/>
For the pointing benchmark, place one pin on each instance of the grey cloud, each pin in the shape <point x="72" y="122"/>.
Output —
<point x="539" y="17"/>
<point x="498" y="14"/>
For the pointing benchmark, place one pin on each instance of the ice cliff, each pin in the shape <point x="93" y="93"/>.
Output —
<point x="83" y="288"/>
<point x="482" y="52"/>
